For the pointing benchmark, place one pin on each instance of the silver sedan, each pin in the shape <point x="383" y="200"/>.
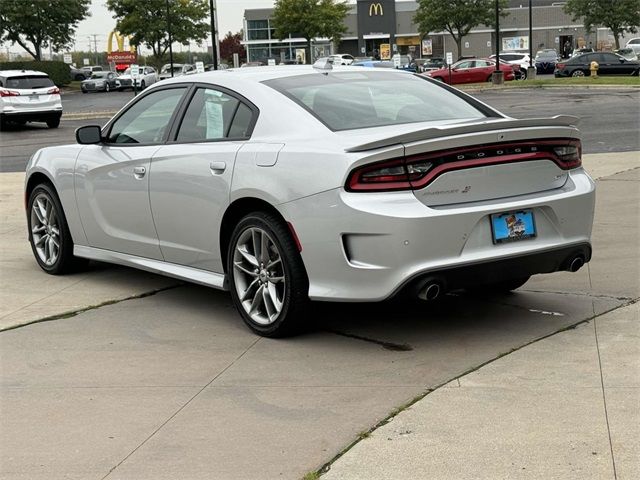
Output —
<point x="290" y="184"/>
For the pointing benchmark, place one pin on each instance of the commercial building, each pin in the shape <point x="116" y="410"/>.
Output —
<point x="384" y="27"/>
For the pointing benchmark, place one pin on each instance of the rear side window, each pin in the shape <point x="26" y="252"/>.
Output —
<point x="351" y="100"/>
<point x="29" y="81"/>
<point x="214" y="115"/>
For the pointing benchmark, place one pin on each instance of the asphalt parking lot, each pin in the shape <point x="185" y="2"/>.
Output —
<point x="162" y="380"/>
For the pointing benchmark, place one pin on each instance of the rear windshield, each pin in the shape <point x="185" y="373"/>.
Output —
<point x="28" y="81"/>
<point x="351" y="100"/>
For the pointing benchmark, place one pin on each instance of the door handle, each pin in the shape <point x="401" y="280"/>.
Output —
<point x="217" y="167"/>
<point x="139" y="172"/>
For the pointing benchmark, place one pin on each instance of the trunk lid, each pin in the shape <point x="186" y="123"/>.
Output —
<point x="483" y="160"/>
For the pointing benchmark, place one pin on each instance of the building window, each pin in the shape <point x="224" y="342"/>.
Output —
<point x="258" y="30"/>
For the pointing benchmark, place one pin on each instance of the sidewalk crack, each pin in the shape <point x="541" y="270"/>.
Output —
<point x="604" y="396"/>
<point x="171" y="417"/>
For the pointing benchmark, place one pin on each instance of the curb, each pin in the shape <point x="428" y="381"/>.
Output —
<point x="552" y="87"/>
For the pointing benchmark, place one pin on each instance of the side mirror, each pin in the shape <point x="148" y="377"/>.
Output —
<point x="89" y="135"/>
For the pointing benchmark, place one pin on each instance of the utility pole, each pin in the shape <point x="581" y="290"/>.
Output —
<point x="214" y="36"/>
<point x="170" y="38"/>
<point x="95" y="46"/>
<point x="498" y="75"/>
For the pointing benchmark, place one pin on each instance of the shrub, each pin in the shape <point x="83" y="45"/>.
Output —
<point x="57" y="71"/>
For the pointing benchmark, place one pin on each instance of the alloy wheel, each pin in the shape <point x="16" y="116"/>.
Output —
<point x="45" y="229"/>
<point x="578" y="73"/>
<point x="259" y="275"/>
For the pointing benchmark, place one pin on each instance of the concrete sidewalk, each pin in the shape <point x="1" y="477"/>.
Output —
<point x="566" y="407"/>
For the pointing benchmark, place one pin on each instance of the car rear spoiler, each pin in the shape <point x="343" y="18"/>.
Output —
<point x="484" y="126"/>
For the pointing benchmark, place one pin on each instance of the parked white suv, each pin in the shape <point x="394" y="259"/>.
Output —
<point x="634" y="44"/>
<point x="148" y="76"/>
<point x="178" y="70"/>
<point x="516" y="58"/>
<point x="28" y="96"/>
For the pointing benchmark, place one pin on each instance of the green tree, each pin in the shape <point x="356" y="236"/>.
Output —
<point x="310" y="19"/>
<point x="619" y="16"/>
<point x="37" y="24"/>
<point x="457" y="17"/>
<point x="146" y="22"/>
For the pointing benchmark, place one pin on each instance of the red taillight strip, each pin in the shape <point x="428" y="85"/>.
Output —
<point x="406" y="182"/>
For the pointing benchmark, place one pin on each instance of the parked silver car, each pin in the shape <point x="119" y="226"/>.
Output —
<point x="290" y="183"/>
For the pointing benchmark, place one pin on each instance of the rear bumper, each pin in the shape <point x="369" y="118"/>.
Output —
<point x="41" y="116"/>
<point x="368" y="246"/>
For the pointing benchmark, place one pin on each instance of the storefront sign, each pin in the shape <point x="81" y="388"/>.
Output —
<point x="515" y="43"/>
<point x="385" y="51"/>
<point x="375" y="9"/>
<point x="121" y="57"/>
<point x="67" y="58"/>
<point x="427" y="47"/>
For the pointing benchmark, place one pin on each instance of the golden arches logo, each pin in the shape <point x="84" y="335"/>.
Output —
<point x="376" y="9"/>
<point x="120" y="42"/>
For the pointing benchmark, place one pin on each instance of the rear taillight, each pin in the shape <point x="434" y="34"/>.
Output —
<point x="417" y="171"/>
<point x="53" y="91"/>
<point x="559" y="66"/>
<point x="388" y="176"/>
<point x="8" y="93"/>
<point x="569" y="156"/>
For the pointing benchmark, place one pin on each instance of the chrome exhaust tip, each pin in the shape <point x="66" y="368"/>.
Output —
<point x="430" y="291"/>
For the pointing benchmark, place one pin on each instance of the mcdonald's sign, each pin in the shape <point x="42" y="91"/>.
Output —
<point x="376" y="9"/>
<point x="120" y="56"/>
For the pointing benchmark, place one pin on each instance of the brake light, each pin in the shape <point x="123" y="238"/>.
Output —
<point x="560" y="65"/>
<point x="570" y="155"/>
<point x="417" y="171"/>
<point x="53" y="91"/>
<point x="8" y="93"/>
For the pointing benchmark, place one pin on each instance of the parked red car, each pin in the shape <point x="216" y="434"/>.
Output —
<point x="471" y="71"/>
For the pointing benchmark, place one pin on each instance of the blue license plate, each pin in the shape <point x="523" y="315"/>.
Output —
<point x="513" y="226"/>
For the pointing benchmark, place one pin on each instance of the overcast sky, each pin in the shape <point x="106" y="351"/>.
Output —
<point x="101" y="22"/>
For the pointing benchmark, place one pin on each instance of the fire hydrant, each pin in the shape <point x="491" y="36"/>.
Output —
<point x="594" y="69"/>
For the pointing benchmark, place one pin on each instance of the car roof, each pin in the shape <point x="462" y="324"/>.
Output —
<point x="260" y="74"/>
<point x="21" y="73"/>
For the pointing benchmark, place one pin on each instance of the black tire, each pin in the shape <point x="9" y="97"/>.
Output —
<point x="295" y="299"/>
<point x="107" y="87"/>
<point x="53" y="122"/>
<point x="143" y="85"/>
<point x="79" y="78"/>
<point x="504" y="286"/>
<point x="84" y="91"/>
<point x="490" y="79"/>
<point x="578" y="73"/>
<point x="65" y="262"/>
<point x="3" y="124"/>
<point x="523" y="74"/>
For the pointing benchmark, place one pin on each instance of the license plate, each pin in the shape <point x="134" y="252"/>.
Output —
<point x="513" y="226"/>
<point x="34" y="98"/>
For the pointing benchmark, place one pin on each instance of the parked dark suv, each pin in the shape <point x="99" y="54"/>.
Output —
<point x="608" y="64"/>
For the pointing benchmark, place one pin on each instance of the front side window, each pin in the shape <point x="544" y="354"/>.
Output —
<point x="146" y="120"/>
<point x="351" y="100"/>
<point x="214" y="115"/>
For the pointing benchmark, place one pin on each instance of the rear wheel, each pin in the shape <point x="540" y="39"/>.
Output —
<point x="49" y="235"/>
<point x="143" y="85"/>
<point x="53" y="122"/>
<point x="523" y="74"/>
<point x="268" y="282"/>
<point x="577" y="73"/>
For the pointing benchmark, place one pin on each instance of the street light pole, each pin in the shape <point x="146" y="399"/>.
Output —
<point x="170" y="38"/>
<point x="530" y="35"/>
<point x="214" y="49"/>
<point x="497" y="35"/>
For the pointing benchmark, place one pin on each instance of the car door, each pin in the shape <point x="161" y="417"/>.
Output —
<point x="482" y="69"/>
<point x="460" y="72"/>
<point x="111" y="80"/>
<point x="112" y="181"/>
<point x="191" y="176"/>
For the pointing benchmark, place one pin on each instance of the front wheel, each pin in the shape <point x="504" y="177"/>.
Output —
<point x="107" y="88"/>
<point x="49" y="234"/>
<point x="53" y="122"/>
<point x="523" y="74"/>
<point x="268" y="282"/>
